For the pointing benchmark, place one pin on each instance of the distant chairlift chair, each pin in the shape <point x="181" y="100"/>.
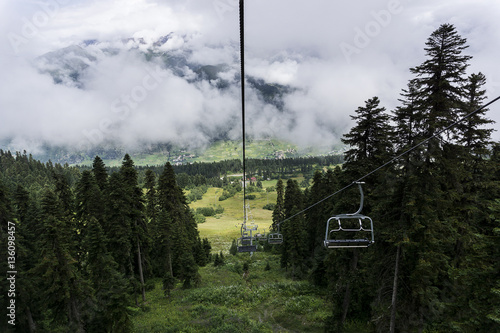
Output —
<point x="349" y="230"/>
<point x="275" y="237"/>
<point x="246" y="242"/>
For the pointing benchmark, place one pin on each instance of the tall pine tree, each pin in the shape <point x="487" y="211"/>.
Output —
<point x="138" y="224"/>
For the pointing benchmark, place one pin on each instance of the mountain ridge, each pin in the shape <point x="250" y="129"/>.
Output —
<point x="159" y="154"/>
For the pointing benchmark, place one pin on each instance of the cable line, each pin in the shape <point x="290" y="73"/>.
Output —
<point x="242" y="67"/>
<point x="394" y="158"/>
<point x="246" y="242"/>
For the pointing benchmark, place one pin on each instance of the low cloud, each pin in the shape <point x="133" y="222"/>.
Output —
<point x="121" y="96"/>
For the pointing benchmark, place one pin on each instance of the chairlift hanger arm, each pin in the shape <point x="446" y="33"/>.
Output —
<point x="361" y="200"/>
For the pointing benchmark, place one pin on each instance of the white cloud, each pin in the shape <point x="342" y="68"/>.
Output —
<point x="287" y="42"/>
<point x="282" y="72"/>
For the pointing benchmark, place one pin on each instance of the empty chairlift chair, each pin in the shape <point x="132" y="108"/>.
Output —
<point x="246" y="242"/>
<point x="349" y="230"/>
<point x="275" y="237"/>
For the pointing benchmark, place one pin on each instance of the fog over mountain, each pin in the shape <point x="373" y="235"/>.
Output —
<point x="83" y="73"/>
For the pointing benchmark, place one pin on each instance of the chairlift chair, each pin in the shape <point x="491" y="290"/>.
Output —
<point x="275" y="237"/>
<point x="246" y="242"/>
<point x="349" y="230"/>
<point x="261" y="236"/>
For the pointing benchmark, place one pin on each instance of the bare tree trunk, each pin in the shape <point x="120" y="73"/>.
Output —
<point x="141" y="275"/>
<point x="394" y="292"/>
<point x="347" y="294"/>
<point x="345" y="304"/>
<point x="74" y="316"/>
<point x="170" y="263"/>
<point x="31" y="323"/>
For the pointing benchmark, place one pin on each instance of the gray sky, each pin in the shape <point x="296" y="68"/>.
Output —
<point x="337" y="53"/>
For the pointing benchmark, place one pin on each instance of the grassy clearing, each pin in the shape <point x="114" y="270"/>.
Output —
<point x="227" y="301"/>
<point x="223" y="228"/>
<point x="225" y="150"/>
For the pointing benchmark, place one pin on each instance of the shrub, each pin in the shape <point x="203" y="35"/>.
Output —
<point x="269" y="206"/>
<point x="196" y="193"/>
<point x="199" y="218"/>
<point x="229" y="191"/>
<point x="205" y="211"/>
<point x="234" y="249"/>
<point x="219" y="209"/>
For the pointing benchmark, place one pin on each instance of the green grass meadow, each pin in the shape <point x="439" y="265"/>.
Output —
<point x="223" y="228"/>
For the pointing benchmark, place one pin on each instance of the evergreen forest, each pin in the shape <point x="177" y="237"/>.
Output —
<point x="93" y="243"/>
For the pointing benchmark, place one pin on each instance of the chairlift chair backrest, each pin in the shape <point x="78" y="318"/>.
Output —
<point x="275" y="238"/>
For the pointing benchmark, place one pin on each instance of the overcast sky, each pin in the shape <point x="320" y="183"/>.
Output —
<point x="337" y="54"/>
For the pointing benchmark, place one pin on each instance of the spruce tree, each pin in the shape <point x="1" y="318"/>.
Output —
<point x="138" y="224"/>
<point x="151" y="197"/>
<point x="63" y="288"/>
<point x="279" y="208"/>
<point x="21" y="202"/>
<point x="370" y="146"/>
<point x="183" y="235"/>
<point x="27" y="231"/>
<point x="440" y="80"/>
<point x="324" y="184"/>
<point x="294" y="247"/>
<point x="422" y="208"/>
<point x="111" y="294"/>
<point x="100" y="173"/>
<point x="474" y="248"/>
<point x="474" y="135"/>
<point x="369" y="140"/>
<point x="161" y="254"/>
<point x="89" y="199"/>
<point x="117" y="226"/>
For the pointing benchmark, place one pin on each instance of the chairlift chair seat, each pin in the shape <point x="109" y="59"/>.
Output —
<point x="357" y="231"/>
<point x="345" y="243"/>
<point x="247" y="248"/>
<point x="354" y="232"/>
<point x="275" y="238"/>
<point x="245" y="244"/>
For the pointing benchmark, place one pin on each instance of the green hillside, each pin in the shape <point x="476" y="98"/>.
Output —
<point x="220" y="150"/>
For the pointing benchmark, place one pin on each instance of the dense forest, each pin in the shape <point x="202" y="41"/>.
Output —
<point x="84" y="252"/>
<point x="90" y="241"/>
<point x="434" y="266"/>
